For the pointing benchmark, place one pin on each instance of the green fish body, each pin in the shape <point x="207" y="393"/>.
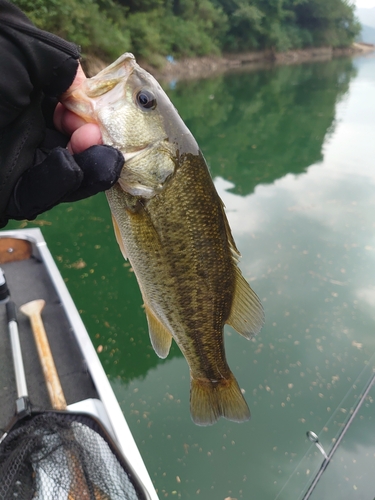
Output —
<point x="171" y="225"/>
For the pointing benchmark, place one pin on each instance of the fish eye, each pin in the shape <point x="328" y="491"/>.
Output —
<point x="146" y="100"/>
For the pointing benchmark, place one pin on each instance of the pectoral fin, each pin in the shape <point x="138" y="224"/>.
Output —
<point x="119" y="237"/>
<point x="247" y="315"/>
<point x="138" y="179"/>
<point x="161" y="339"/>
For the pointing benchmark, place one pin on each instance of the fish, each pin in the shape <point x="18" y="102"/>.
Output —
<point x="171" y="225"/>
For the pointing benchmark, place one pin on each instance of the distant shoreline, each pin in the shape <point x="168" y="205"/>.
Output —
<point x="204" y="67"/>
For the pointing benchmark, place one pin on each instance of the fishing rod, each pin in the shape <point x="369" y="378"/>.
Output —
<point x="327" y="458"/>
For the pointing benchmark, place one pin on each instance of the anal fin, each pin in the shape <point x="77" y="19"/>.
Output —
<point x="161" y="338"/>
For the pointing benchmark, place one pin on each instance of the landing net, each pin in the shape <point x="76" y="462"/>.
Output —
<point x="64" y="456"/>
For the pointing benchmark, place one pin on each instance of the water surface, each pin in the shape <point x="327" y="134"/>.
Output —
<point x="292" y="153"/>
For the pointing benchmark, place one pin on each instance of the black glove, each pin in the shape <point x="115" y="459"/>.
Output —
<point x="61" y="177"/>
<point x="36" y="172"/>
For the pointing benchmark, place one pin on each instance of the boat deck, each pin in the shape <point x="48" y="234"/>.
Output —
<point x="28" y="280"/>
<point x="32" y="274"/>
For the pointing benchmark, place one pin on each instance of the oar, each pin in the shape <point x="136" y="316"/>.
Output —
<point x="33" y="310"/>
<point x="79" y="490"/>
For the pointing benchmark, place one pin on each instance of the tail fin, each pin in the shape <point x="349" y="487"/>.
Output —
<point x="211" y="400"/>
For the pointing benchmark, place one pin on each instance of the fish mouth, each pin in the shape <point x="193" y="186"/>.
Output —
<point x="84" y="99"/>
<point x="121" y="68"/>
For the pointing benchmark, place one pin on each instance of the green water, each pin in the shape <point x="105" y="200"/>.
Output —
<point x="292" y="152"/>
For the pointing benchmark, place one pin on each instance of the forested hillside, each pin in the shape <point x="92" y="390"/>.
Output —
<point x="153" y="29"/>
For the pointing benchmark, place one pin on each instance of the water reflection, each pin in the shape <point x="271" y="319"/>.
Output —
<point x="307" y="247"/>
<point x="257" y="127"/>
<point x="292" y="151"/>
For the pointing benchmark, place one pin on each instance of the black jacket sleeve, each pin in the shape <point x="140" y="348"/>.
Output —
<point x="35" y="68"/>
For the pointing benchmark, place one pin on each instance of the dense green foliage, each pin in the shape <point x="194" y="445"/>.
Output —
<point x="155" y="28"/>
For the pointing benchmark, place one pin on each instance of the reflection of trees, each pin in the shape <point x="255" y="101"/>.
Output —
<point x="256" y="127"/>
<point x="285" y="112"/>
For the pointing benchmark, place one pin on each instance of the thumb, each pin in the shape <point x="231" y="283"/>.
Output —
<point x="101" y="167"/>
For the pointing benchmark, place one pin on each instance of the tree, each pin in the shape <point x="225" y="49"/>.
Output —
<point x="153" y="29"/>
<point x="82" y="22"/>
<point x="330" y="23"/>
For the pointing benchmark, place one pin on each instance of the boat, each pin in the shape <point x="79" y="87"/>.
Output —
<point x="30" y="274"/>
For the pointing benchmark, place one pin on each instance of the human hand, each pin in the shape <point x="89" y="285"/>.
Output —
<point x="84" y="168"/>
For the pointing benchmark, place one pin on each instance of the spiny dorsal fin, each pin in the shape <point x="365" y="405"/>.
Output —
<point x="232" y="245"/>
<point x="247" y="314"/>
<point x="160" y="337"/>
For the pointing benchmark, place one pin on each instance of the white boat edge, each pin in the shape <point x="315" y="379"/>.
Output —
<point x="115" y="421"/>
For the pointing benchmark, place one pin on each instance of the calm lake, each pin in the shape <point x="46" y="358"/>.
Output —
<point x="292" y="153"/>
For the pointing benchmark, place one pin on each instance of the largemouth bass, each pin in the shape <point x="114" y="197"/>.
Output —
<point x="171" y="225"/>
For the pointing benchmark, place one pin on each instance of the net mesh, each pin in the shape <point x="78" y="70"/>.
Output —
<point x="53" y="456"/>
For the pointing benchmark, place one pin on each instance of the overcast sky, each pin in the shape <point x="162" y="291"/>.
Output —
<point x="364" y="3"/>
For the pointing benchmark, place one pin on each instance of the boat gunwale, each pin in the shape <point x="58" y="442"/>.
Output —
<point x="121" y="430"/>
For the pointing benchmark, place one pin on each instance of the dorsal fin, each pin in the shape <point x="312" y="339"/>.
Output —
<point x="247" y="314"/>
<point x="232" y="245"/>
